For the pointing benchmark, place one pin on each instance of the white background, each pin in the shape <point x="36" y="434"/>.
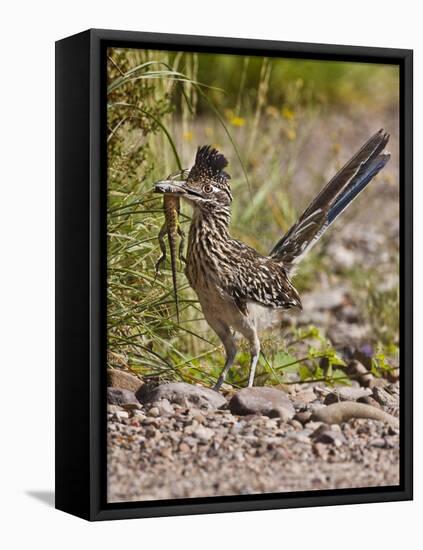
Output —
<point x="28" y="32"/>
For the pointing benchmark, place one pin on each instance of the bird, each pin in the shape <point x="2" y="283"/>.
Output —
<point x="232" y="280"/>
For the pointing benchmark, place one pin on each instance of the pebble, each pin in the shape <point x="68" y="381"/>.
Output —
<point x="154" y="411"/>
<point x="184" y="447"/>
<point x="303" y="416"/>
<point x="203" y="434"/>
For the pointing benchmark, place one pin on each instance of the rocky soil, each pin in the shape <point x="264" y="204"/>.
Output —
<point x="178" y="440"/>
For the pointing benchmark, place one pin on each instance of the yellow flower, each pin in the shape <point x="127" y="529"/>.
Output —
<point x="237" y="121"/>
<point x="287" y="113"/>
<point x="233" y="118"/>
<point x="188" y="136"/>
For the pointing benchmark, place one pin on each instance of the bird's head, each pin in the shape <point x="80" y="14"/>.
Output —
<point x="206" y="186"/>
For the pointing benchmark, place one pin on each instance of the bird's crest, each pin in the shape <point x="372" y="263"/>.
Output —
<point x="209" y="165"/>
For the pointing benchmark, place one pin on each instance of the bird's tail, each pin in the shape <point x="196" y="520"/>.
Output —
<point x="332" y="200"/>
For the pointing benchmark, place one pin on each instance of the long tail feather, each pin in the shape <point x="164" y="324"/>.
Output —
<point x="342" y="189"/>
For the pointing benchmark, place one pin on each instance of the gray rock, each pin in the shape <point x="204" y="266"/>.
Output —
<point x="346" y="394"/>
<point x="183" y="394"/>
<point x="384" y="398"/>
<point x="262" y="400"/>
<point x="342" y="412"/>
<point x="120" y="396"/>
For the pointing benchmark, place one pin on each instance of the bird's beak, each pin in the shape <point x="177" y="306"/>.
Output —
<point x="170" y="187"/>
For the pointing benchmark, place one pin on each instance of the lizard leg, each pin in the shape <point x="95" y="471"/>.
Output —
<point x="162" y="244"/>
<point x="181" y="245"/>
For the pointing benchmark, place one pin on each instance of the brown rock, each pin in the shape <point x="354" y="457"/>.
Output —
<point x="117" y="378"/>
<point x="262" y="400"/>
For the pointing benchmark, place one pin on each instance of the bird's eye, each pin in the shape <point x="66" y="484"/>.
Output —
<point x="208" y="188"/>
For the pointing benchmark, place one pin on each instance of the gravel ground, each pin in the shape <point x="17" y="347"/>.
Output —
<point x="165" y="451"/>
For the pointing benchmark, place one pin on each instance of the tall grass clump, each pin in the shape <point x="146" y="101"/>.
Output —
<point x="161" y="107"/>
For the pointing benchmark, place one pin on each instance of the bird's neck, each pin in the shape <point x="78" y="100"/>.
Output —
<point x="211" y="223"/>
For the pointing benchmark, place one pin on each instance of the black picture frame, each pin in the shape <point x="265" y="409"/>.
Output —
<point x="81" y="274"/>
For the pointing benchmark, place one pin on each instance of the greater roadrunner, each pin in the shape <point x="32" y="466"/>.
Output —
<point x="230" y="278"/>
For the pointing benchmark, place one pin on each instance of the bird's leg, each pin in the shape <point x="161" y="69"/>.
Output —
<point x="254" y="360"/>
<point x="230" y="356"/>
<point x="162" y="244"/>
<point x="181" y="245"/>
<point x="252" y="337"/>
<point x="228" y="340"/>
